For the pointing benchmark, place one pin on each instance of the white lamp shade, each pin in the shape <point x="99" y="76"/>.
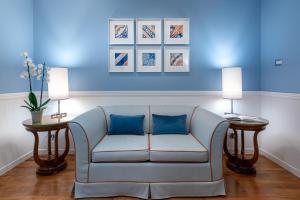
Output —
<point x="58" y="85"/>
<point x="232" y="83"/>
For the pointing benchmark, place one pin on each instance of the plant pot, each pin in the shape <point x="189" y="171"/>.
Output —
<point x="36" y="116"/>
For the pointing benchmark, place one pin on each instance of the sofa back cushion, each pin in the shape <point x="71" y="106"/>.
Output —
<point x="126" y="125"/>
<point x="165" y="124"/>
<point x="128" y="110"/>
<point x="172" y="111"/>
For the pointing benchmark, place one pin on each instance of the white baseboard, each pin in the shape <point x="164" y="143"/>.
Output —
<point x="276" y="160"/>
<point x="281" y="163"/>
<point x="26" y="156"/>
<point x="14" y="163"/>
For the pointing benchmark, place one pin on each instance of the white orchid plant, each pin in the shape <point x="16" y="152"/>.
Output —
<point x="41" y="73"/>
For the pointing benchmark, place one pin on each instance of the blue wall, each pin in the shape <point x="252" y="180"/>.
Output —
<point x="280" y="38"/>
<point x="16" y="35"/>
<point x="223" y="33"/>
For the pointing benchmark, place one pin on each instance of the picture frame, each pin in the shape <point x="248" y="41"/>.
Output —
<point x="148" y="59"/>
<point x="148" y="31"/>
<point x="177" y="31"/>
<point x="121" y="31"/>
<point x="121" y="59"/>
<point x="176" y="59"/>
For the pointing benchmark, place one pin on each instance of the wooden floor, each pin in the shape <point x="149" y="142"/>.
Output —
<point x="271" y="183"/>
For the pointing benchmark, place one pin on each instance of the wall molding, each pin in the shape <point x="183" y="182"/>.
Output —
<point x="14" y="163"/>
<point x="27" y="156"/>
<point x="295" y="96"/>
<point x="281" y="163"/>
<point x="8" y="96"/>
<point x="276" y="160"/>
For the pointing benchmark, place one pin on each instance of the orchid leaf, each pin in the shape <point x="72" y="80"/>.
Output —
<point x="29" y="108"/>
<point x="28" y="104"/>
<point x="33" y="100"/>
<point x="45" y="103"/>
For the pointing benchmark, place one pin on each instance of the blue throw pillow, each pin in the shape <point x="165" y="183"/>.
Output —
<point x="163" y="124"/>
<point x="126" y="125"/>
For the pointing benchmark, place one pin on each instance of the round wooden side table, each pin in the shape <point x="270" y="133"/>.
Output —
<point x="52" y="162"/>
<point x="238" y="162"/>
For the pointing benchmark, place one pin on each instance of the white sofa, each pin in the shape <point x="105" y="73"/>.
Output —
<point x="156" y="166"/>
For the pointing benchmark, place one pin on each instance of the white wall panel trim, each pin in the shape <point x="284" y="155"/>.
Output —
<point x="14" y="163"/>
<point x="281" y="95"/>
<point x="281" y="163"/>
<point x="7" y="96"/>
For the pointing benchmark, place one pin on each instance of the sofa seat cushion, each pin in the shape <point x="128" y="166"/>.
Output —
<point x="177" y="148"/>
<point x="122" y="148"/>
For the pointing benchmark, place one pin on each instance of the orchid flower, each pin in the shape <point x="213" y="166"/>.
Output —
<point x="31" y="71"/>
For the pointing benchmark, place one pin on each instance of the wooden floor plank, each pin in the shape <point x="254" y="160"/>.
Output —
<point x="271" y="183"/>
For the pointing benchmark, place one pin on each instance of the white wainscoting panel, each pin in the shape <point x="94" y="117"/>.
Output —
<point x="280" y="142"/>
<point x="16" y="142"/>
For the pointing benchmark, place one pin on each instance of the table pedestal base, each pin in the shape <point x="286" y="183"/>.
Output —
<point x="49" y="170"/>
<point x="53" y="161"/>
<point x="241" y="169"/>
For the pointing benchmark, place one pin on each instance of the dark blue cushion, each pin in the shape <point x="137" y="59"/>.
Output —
<point x="126" y="125"/>
<point x="164" y="124"/>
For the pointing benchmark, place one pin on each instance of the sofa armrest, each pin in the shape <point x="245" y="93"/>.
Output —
<point x="210" y="130"/>
<point x="87" y="130"/>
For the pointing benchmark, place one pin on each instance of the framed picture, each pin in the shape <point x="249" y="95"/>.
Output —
<point x="177" y="31"/>
<point x="148" y="59"/>
<point x="121" y="59"/>
<point x="121" y="31"/>
<point x="148" y="31"/>
<point x="176" y="59"/>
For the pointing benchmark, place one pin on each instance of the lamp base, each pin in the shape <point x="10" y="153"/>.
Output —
<point x="58" y="115"/>
<point x="229" y="113"/>
<point x="231" y="110"/>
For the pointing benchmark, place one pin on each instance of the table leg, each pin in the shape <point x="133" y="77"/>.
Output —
<point x="41" y="163"/>
<point x="235" y="143"/>
<point x="242" y="144"/>
<point x="36" y="148"/>
<point x="56" y="145"/>
<point x="49" y="145"/>
<point x="256" y="149"/>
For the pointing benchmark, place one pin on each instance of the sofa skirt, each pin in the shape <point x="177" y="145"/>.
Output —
<point x="109" y="189"/>
<point x="153" y="190"/>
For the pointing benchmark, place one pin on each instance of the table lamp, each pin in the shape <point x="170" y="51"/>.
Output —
<point x="232" y="84"/>
<point x="58" y="88"/>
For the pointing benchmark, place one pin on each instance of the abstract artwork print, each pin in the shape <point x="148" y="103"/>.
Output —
<point x="148" y="59"/>
<point x="148" y="31"/>
<point x="121" y="59"/>
<point x="121" y="31"/>
<point x="176" y="31"/>
<point x="176" y="59"/>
